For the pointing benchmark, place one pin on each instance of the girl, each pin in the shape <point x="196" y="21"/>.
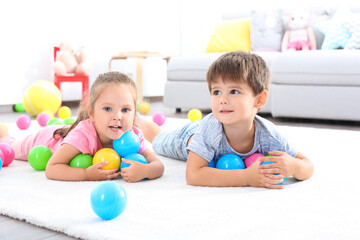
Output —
<point x="109" y="113"/>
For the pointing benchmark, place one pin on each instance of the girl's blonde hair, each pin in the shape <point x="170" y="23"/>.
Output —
<point x="100" y="83"/>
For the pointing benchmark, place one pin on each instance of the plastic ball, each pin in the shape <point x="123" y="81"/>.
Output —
<point x="23" y="122"/>
<point x="268" y="162"/>
<point x="1" y="164"/>
<point x="81" y="161"/>
<point x="64" y="112"/>
<point x="39" y="156"/>
<point x="42" y="95"/>
<point x="43" y="119"/>
<point x="194" y="114"/>
<point x="51" y="114"/>
<point x="108" y="200"/>
<point x="251" y="159"/>
<point x="7" y="129"/>
<point x="128" y="143"/>
<point x="19" y="107"/>
<point x="230" y="162"/>
<point x="159" y="118"/>
<point x="107" y="155"/>
<point x="8" y="152"/>
<point x="1" y="159"/>
<point x="212" y="164"/>
<point x="69" y="120"/>
<point x="55" y="121"/>
<point x="135" y="157"/>
<point x="144" y="107"/>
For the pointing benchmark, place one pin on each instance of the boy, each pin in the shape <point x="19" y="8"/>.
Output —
<point x="238" y="83"/>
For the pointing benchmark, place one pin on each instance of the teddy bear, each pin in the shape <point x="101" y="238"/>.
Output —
<point x="70" y="60"/>
<point x="299" y="36"/>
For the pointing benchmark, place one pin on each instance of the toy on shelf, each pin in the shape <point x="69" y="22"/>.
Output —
<point x="299" y="36"/>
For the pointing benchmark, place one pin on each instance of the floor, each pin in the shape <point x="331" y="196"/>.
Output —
<point x="12" y="229"/>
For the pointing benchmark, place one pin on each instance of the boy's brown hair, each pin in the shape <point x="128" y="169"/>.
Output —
<point x="240" y="66"/>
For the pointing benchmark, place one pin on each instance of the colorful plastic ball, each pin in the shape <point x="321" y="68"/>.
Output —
<point x="135" y="157"/>
<point x="43" y="119"/>
<point x="128" y="143"/>
<point x="42" y="95"/>
<point x="69" y="120"/>
<point x="107" y="155"/>
<point x="268" y="162"/>
<point x="159" y="118"/>
<point x="251" y="159"/>
<point x="39" y="156"/>
<point x="230" y="162"/>
<point x="23" y="122"/>
<point x="1" y="164"/>
<point x="194" y="114"/>
<point x="212" y="164"/>
<point x="1" y="159"/>
<point x="64" y="112"/>
<point x="144" y="107"/>
<point x="81" y="161"/>
<point x="108" y="200"/>
<point x="7" y="129"/>
<point x="51" y="114"/>
<point x="55" y="121"/>
<point x="19" y="107"/>
<point x="8" y="152"/>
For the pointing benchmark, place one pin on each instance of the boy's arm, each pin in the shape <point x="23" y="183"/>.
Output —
<point x="199" y="174"/>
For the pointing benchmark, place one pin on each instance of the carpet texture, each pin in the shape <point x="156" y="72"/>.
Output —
<point x="325" y="207"/>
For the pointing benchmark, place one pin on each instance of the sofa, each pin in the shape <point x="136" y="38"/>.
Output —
<point x="317" y="84"/>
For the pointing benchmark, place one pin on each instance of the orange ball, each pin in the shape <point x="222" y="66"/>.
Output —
<point x="107" y="155"/>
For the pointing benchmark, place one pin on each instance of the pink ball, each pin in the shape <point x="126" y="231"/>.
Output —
<point x="2" y="156"/>
<point x="43" y="118"/>
<point x="8" y="152"/>
<point x="23" y="122"/>
<point x="159" y="118"/>
<point x="251" y="159"/>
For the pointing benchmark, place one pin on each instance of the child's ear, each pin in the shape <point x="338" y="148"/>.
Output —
<point x="90" y="113"/>
<point x="262" y="99"/>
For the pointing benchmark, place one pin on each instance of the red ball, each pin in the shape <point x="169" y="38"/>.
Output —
<point x="8" y="152"/>
<point x="159" y="118"/>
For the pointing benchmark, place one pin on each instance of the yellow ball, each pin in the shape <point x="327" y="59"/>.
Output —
<point x="194" y="114"/>
<point x="42" y="95"/>
<point x="144" y="107"/>
<point x="7" y="129"/>
<point x="64" y="112"/>
<point x="109" y="155"/>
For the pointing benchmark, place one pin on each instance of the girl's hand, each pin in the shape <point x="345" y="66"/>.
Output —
<point x="135" y="172"/>
<point x="95" y="172"/>
<point x="283" y="164"/>
<point x="259" y="179"/>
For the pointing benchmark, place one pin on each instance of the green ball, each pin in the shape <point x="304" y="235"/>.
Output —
<point x="81" y="161"/>
<point x="69" y="120"/>
<point x="39" y="156"/>
<point x="55" y="121"/>
<point x="19" y="107"/>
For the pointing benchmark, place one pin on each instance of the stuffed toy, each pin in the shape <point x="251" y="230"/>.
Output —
<point x="299" y="36"/>
<point x="70" y="60"/>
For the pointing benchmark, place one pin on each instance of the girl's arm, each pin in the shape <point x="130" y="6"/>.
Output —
<point x="199" y="174"/>
<point x="58" y="167"/>
<point x="138" y="171"/>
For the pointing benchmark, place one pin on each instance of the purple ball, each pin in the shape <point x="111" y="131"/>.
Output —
<point x="159" y="118"/>
<point x="23" y="122"/>
<point x="43" y="119"/>
<point x="251" y="159"/>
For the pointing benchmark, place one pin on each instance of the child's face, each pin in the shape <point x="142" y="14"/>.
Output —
<point x="233" y="102"/>
<point x="114" y="112"/>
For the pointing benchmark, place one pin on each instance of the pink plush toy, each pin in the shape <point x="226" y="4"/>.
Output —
<point x="70" y="60"/>
<point x="299" y="36"/>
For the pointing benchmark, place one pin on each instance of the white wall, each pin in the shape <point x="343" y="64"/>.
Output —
<point x="30" y="29"/>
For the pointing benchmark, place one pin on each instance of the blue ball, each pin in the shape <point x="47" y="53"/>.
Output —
<point x="108" y="200"/>
<point x="230" y="162"/>
<point x="128" y="143"/>
<point x="212" y="164"/>
<point x="268" y="162"/>
<point x="135" y="157"/>
<point x="1" y="163"/>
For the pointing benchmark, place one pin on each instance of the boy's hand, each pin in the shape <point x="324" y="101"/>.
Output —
<point x="283" y="164"/>
<point x="258" y="179"/>
<point x="95" y="173"/>
<point x="135" y="172"/>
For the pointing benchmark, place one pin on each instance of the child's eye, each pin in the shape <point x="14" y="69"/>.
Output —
<point x="107" y="109"/>
<point x="234" y="91"/>
<point x="125" y="110"/>
<point x="216" y="92"/>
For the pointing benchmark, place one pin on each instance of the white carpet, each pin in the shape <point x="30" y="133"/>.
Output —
<point x="325" y="207"/>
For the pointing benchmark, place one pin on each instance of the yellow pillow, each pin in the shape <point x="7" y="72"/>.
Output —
<point x="230" y="35"/>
